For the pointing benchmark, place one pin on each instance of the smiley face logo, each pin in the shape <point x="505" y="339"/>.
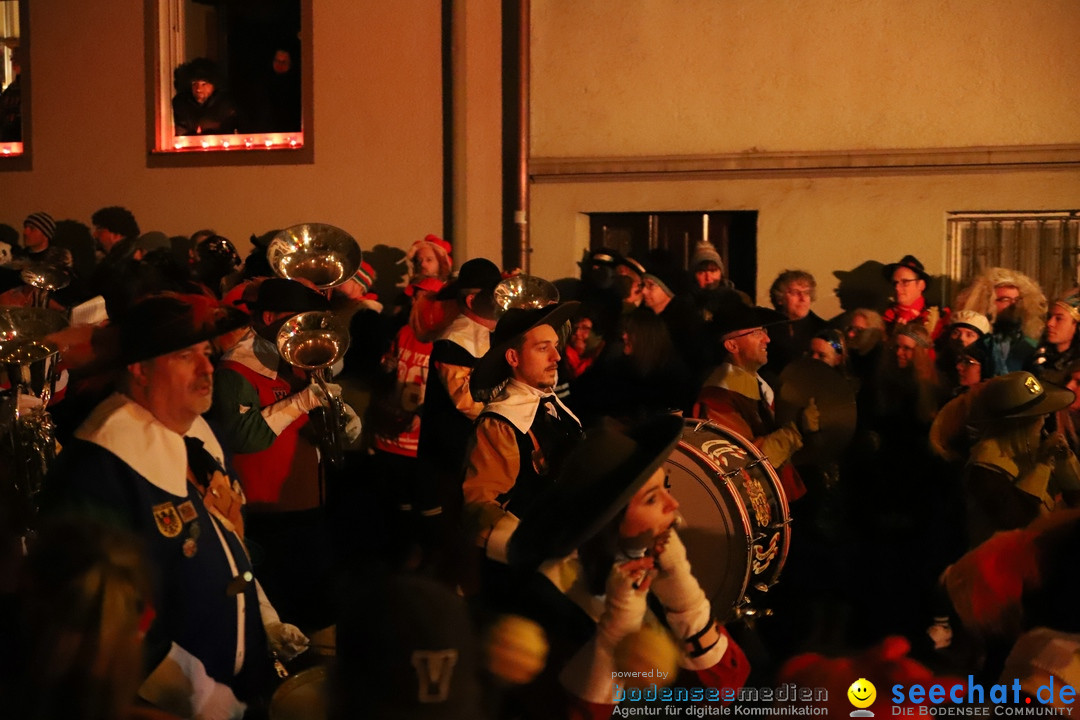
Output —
<point x="862" y="693"/>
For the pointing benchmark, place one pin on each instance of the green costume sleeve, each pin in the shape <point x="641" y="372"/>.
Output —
<point x="237" y="412"/>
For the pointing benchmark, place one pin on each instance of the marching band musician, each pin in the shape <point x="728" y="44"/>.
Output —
<point x="735" y="396"/>
<point x="613" y="504"/>
<point x="146" y="460"/>
<point x="262" y="408"/>
<point x="523" y="432"/>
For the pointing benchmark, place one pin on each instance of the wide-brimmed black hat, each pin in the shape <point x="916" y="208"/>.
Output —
<point x="160" y="324"/>
<point x="492" y="369"/>
<point x="476" y="274"/>
<point x="739" y="316"/>
<point x="1017" y="395"/>
<point x="598" y="479"/>
<point x="911" y="263"/>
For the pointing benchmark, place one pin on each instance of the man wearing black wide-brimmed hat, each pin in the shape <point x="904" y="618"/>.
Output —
<point x="736" y="396"/>
<point x="147" y="460"/>
<point x="523" y="432"/>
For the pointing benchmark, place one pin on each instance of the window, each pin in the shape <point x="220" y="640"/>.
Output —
<point x="1042" y="245"/>
<point x="227" y="78"/>
<point x="641" y="234"/>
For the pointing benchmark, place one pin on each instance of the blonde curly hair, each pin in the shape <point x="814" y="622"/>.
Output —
<point x="979" y="296"/>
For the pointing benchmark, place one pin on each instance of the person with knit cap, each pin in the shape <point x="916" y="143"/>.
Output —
<point x="38" y="231"/>
<point x="967" y="337"/>
<point x="707" y="266"/>
<point x="358" y="288"/>
<point x="430" y="257"/>
<point x="666" y="290"/>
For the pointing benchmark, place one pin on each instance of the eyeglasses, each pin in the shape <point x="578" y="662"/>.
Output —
<point x="905" y="282"/>
<point x="1007" y="300"/>
<point x="968" y="361"/>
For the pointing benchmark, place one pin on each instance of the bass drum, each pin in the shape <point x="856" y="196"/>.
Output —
<point x="737" y="524"/>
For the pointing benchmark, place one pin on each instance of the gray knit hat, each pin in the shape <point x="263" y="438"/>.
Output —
<point x="705" y="252"/>
<point x="43" y="222"/>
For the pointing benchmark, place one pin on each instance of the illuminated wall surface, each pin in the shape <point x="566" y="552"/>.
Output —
<point x="697" y="79"/>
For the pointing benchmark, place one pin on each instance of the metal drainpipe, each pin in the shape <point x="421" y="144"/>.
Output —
<point x="521" y="214"/>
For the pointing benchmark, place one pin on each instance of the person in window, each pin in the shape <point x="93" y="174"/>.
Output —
<point x="201" y="105"/>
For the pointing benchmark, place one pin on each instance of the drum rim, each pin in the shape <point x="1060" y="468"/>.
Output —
<point x="759" y="459"/>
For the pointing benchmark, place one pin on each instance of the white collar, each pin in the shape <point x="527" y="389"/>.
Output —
<point x="132" y="433"/>
<point x="518" y="403"/>
<point x="249" y="352"/>
<point x="469" y="334"/>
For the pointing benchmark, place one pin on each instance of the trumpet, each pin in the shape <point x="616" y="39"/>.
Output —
<point x="312" y="341"/>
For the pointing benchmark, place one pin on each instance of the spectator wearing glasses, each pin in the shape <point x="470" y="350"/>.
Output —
<point x="1016" y="309"/>
<point x="791" y="293"/>
<point x="909" y="281"/>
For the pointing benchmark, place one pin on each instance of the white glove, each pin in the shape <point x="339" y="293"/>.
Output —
<point x="353" y="426"/>
<point x="220" y="704"/>
<point x="26" y="403"/>
<point x="210" y="700"/>
<point x="284" y="413"/>
<point x="333" y="388"/>
<point x="589" y="673"/>
<point x="688" y="612"/>
<point x="286" y="640"/>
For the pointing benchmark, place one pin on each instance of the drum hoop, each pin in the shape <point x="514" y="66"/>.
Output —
<point x="696" y="424"/>
<point x="759" y="459"/>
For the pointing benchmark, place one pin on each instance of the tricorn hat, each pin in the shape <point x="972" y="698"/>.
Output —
<point x="164" y="323"/>
<point x="911" y="263"/>
<point x="492" y="369"/>
<point x="1017" y="395"/>
<point x="598" y="479"/>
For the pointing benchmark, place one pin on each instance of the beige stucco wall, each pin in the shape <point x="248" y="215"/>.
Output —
<point x="698" y="78"/>
<point x="658" y="77"/>
<point x="378" y="121"/>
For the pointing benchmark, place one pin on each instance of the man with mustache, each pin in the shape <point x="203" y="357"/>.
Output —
<point x="524" y="430"/>
<point x="146" y="460"/>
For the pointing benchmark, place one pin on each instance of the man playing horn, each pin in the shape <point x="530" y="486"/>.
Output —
<point x="262" y="408"/>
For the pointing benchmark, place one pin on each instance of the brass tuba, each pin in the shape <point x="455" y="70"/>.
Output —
<point x="45" y="279"/>
<point x="313" y="341"/>
<point x="524" y="291"/>
<point x="325" y="255"/>
<point x="29" y="366"/>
